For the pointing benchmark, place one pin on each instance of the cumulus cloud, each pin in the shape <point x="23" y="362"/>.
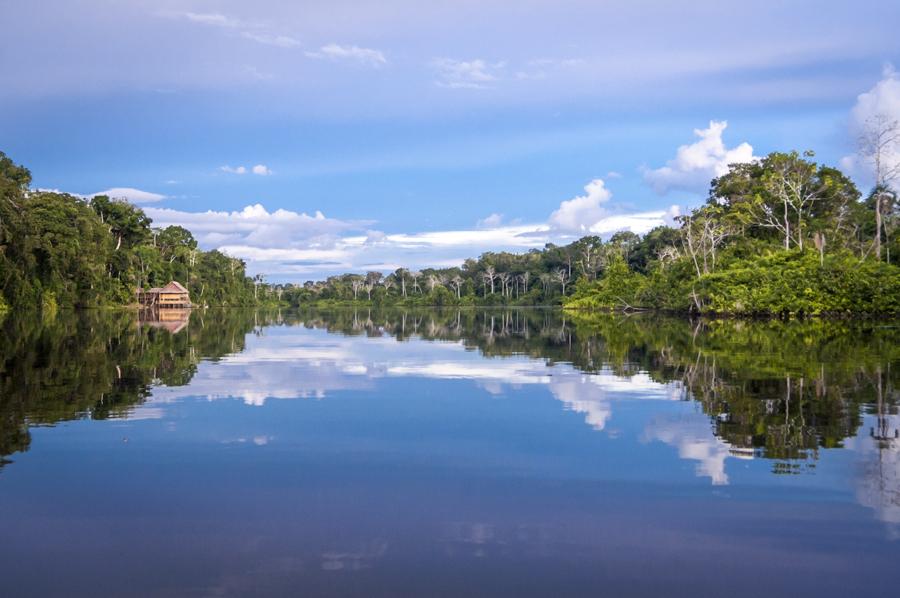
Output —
<point x="492" y="221"/>
<point x="131" y="194"/>
<point x="579" y="213"/>
<point x="638" y="222"/>
<point x="696" y="164"/>
<point x="463" y="74"/>
<point x="364" y="56"/>
<point x="880" y="106"/>
<point x="287" y="245"/>
<point x="254" y="226"/>
<point x="259" y="169"/>
<point x="587" y="214"/>
<point x="234" y="169"/>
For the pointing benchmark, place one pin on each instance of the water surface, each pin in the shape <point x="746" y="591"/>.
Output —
<point x="446" y="453"/>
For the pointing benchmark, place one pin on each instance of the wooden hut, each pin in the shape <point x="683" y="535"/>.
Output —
<point x="173" y="295"/>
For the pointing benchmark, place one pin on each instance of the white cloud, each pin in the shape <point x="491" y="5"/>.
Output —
<point x="639" y="222"/>
<point x="259" y="169"/>
<point x="131" y="194"/>
<point x="579" y="213"/>
<point x="492" y="221"/>
<point x="586" y="214"/>
<point x="288" y="245"/>
<point x="214" y="19"/>
<point x="462" y="74"/>
<point x="365" y="56"/>
<point x="270" y="39"/>
<point x="880" y="102"/>
<point x="234" y="170"/>
<point x="696" y="164"/>
<point x="256" y="229"/>
<point x="521" y="236"/>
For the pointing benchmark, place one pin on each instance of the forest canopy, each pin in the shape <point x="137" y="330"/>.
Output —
<point x="61" y="250"/>
<point x="782" y="235"/>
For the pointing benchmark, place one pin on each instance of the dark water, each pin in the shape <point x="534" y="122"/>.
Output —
<point x="495" y="453"/>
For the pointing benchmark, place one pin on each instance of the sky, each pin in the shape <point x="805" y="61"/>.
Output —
<point x="312" y="138"/>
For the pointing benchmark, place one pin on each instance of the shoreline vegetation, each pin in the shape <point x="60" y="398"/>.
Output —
<point x="779" y="237"/>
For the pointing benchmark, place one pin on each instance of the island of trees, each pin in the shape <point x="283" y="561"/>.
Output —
<point x="782" y="236"/>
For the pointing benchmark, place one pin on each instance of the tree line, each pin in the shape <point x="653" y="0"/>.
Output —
<point x="783" y="235"/>
<point x="60" y="250"/>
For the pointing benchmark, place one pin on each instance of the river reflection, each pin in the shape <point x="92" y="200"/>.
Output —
<point x="445" y="452"/>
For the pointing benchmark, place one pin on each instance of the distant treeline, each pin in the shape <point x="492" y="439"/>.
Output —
<point x="779" y="236"/>
<point x="60" y="250"/>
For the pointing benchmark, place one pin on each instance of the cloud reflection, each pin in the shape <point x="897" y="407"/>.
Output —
<point x="283" y="363"/>
<point x="878" y="469"/>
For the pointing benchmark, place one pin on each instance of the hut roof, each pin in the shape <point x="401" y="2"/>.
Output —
<point x="173" y="287"/>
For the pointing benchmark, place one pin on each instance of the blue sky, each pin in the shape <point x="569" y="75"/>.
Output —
<point x="413" y="133"/>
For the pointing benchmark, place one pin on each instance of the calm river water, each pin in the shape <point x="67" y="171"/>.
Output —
<point x="447" y="453"/>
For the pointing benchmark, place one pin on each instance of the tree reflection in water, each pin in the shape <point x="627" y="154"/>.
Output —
<point x="773" y="390"/>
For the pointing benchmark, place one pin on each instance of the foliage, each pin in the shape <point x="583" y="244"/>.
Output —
<point x="619" y="288"/>
<point x="779" y="236"/>
<point x="58" y="250"/>
<point x="782" y="235"/>
<point x="798" y="283"/>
